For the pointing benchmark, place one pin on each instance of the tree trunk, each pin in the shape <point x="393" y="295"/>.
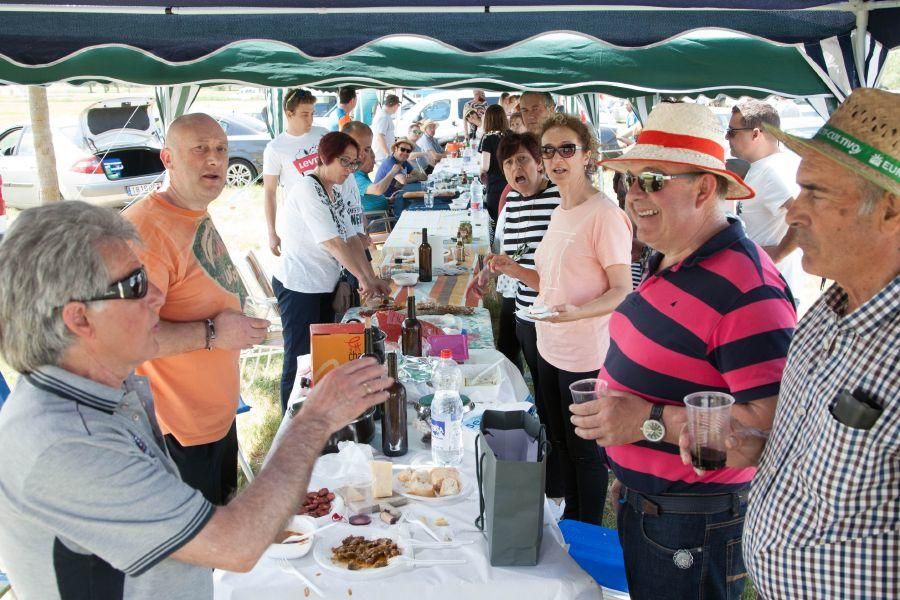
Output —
<point x="43" y="144"/>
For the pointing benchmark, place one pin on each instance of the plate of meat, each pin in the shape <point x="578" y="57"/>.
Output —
<point x="362" y="552"/>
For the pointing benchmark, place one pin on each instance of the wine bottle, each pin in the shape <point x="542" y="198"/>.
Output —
<point x="411" y="330"/>
<point x="394" y="432"/>
<point x="369" y="351"/>
<point x="424" y="257"/>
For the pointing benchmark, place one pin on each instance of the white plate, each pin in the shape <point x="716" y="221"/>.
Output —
<point x="526" y="314"/>
<point x="337" y="506"/>
<point x="465" y="488"/>
<point x="406" y="279"/>
<point x="333" y="537"/>
<point x="300" y="524"/>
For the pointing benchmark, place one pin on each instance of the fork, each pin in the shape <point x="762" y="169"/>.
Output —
<point x="287" y="567"/>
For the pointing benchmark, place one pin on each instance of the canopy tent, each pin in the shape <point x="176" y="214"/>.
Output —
<point x="846" y="41"/>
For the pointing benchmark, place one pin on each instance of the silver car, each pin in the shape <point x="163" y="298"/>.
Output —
<point x="247" y="139"/>
<point x="110" y="157"/>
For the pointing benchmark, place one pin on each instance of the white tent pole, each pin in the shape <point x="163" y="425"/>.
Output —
<point x="859" y="42"/>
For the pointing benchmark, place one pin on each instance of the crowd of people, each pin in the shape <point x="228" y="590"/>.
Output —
<point x="127" y="329"/>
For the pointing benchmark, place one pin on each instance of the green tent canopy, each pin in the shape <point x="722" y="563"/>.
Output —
<point x="707" y="63"/>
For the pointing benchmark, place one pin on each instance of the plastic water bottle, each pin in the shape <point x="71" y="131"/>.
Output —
<point x="429" y="198"/>
<point x="446" y="413"/>
<point x="476" y="191"/>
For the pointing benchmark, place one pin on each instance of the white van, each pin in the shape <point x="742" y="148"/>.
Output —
<point x="446" y="109"/>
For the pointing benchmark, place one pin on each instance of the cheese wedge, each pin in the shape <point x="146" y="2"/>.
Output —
<point x="382" y="482"/>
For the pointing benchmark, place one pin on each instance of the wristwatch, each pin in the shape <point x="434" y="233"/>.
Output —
<point x="654" y="429"/>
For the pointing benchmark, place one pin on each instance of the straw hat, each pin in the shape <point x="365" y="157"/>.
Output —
<point x="863" y="135"/>
<point x="683" y="134"/>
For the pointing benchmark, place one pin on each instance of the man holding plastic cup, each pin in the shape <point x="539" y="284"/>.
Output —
<point x="712" y="315"/>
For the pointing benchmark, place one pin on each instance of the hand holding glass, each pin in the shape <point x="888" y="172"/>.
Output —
<point x="709" y="423"/>
<point x="585" y="390"/>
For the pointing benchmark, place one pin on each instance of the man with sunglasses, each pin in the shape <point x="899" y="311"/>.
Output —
<point x="712" y="313"/>
<point x="772" y="175"/>
<point x="400" y="152"/>
<point x="91" y="503"/>
<point x="195" y="375"/>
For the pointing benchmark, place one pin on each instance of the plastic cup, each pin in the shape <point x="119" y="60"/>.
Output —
<point x="585" y="390"/>
<point x="709" y="423"/>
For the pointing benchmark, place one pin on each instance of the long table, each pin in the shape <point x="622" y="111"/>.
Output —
<point x="555" y="577"/>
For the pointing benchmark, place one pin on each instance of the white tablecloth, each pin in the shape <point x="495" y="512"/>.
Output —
<point x="556" y="576"/>
<point x="440" y="223"/>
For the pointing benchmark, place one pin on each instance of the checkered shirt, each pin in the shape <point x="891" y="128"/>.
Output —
<point x="824" y="514"/>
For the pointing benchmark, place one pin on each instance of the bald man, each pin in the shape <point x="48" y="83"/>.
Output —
<point x="195" y="377"/>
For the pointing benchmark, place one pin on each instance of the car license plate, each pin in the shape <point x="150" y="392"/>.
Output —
<point x="136" y="190"/>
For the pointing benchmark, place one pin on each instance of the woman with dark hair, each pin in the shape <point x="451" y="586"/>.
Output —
<point x="520" y="228"/>
<point x="495" y="125"/>
<point x="318" y="240"/>
<point x="582" y="273"/>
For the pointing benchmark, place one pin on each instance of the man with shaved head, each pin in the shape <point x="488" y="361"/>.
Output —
<point x="194" y="376"/>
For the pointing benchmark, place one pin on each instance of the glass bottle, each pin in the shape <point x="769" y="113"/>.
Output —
<point x="411" y="330"/>
<point x="425" y="257"/>
<point x="369" y="351"/>
<point x="394" y="432"/>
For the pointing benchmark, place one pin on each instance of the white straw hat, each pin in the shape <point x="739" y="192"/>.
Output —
<point x="683" y="134"/>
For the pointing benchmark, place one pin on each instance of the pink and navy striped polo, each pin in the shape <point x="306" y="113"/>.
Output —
<point x="720" y="320"/>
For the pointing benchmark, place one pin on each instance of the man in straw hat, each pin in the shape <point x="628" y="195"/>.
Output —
<point x="824" y="507"/>
<point x="712" y="314"/>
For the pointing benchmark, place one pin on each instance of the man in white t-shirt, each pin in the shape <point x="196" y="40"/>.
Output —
<point x="383" y="127"/>
<point x="290" y="156"/>
<point x="772" y="175"/>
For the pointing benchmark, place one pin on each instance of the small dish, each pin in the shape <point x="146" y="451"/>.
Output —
<point x="297" y="524"/>
<point x="405" y="279"/>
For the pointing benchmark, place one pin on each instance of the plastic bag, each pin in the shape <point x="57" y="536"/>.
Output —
<point x="349" y="467"/>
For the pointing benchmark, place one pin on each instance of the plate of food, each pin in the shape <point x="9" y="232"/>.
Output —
<point x="431" y="484"/>
<point x="366" y="552"/>
<point x="321" y="505"/>
<point x="536" y="312"/>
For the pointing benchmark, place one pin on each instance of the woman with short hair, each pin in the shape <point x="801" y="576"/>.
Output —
<point x="318" y="241"/>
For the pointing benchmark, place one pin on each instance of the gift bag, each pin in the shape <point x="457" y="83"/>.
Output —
<point x="510" y="452"/>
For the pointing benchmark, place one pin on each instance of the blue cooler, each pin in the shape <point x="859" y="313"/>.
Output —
<point x="596" y="550"/>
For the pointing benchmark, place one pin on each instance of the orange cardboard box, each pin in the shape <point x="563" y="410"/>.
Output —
<point x="333" y="344"/>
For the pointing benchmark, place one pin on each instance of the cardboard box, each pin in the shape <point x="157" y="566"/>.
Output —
<point x="333" y="344"/>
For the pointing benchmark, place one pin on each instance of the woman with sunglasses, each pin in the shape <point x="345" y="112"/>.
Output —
<point x="495" y="125"/>
<point x="318" y="240"/>
<point x="582" y="274"/>
<point x="408" y="173"/>
<point x="290" y="156"/>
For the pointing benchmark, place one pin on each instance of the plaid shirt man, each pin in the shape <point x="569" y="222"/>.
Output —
<point x="825" y="503"/>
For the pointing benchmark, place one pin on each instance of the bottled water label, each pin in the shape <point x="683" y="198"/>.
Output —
<point x="438" y="431"/>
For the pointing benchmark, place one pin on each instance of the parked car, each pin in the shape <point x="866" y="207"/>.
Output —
<point x="445" y="108"/>
<point x="247" y="139"/>
<point x="110" y="157"/>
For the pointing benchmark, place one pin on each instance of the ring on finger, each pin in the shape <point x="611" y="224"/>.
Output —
<point x="368" y="390"/>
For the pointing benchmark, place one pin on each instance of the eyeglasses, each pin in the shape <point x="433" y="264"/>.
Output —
<point x="404" y="149"/>
<point x="416" y="131"/>
<point x="653" y="182"/>
<point x="518" y="161"/>
<point x="347" y="163"/>
<point x="732" y="130"/>
<point x="133" y="286"/>
<point x="566" y="150"/>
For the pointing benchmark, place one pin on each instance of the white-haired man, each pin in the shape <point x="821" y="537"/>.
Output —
<point x="92" y="504"/>
<point x="824" y="507"/>
<point x="712" y="313"/>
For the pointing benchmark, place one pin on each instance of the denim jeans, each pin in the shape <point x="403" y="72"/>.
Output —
<point x="298" y="312"/>
<point x="652" y="543"/>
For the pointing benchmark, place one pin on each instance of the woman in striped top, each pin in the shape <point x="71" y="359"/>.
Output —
<point x="582" y="273"/>
<point x="526" y="212"/>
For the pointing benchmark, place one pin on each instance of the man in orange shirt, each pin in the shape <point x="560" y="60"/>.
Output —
<point x="195" y="376"/>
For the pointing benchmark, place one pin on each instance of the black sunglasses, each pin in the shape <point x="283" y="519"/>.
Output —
<point x="406" y="150"/>
<point x="565" y="150"/>
<point x="732" y="130"/>
<point x="653" y="182"/>
<point x="133" y="286"/>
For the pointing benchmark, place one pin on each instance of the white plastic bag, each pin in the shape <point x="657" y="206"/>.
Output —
<point x="349" y="467"/>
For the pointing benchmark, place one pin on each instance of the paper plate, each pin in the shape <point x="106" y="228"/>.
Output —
<point x="333" y="538"/>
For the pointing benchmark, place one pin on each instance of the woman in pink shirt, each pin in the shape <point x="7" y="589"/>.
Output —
<point x="582" y="274"/>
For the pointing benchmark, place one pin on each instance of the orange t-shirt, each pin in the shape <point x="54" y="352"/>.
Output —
<point x="196" y="393"/>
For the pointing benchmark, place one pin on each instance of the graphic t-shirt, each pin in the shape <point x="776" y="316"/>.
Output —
<point x="196" y="392"/>
<point x="307" y="219"/>
<point x="290" y="157"/>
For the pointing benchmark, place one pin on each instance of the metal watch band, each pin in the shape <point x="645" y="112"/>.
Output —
<point x="210" y="333"/>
